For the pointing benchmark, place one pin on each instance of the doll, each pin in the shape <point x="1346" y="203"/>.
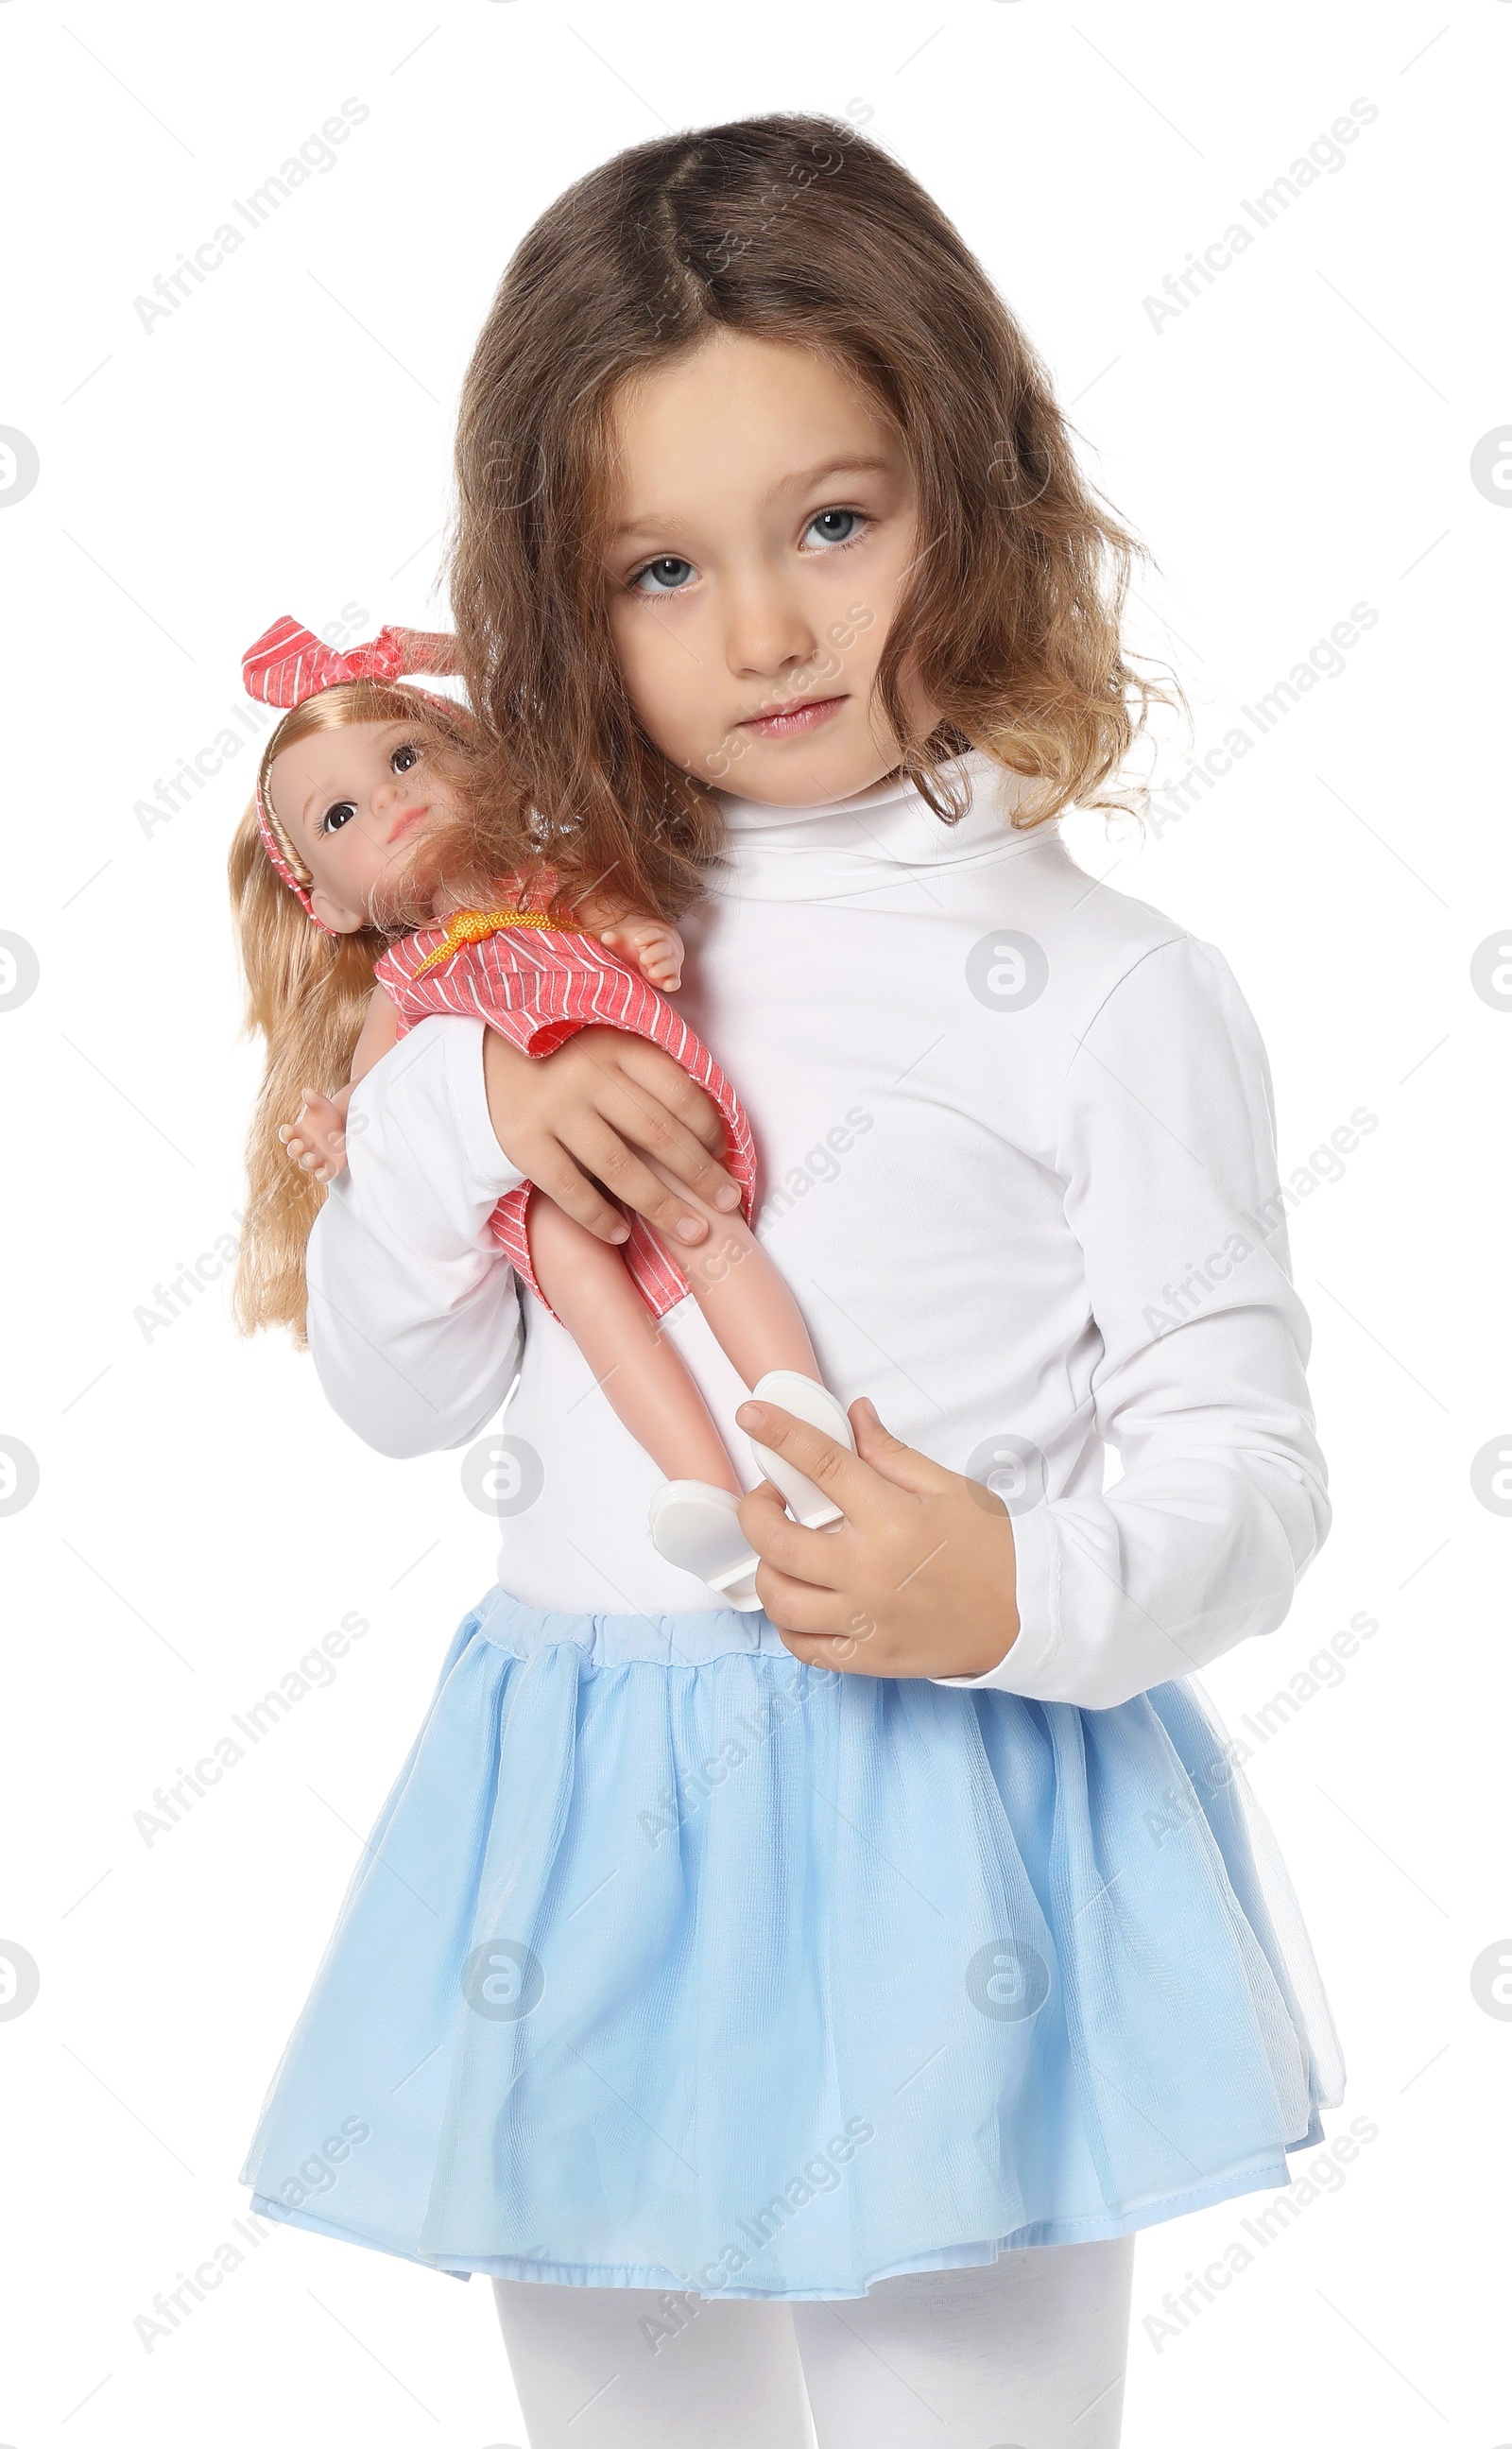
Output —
<point x="360" y="778"/>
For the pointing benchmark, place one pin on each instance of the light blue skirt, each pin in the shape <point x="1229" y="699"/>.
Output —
<point x="673" y="1962"/>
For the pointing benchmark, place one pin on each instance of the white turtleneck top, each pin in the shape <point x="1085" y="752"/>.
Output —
<point x="1017" y="1165"/>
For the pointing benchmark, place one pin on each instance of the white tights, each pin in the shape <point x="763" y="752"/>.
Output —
<point x="1027" y="2354"/>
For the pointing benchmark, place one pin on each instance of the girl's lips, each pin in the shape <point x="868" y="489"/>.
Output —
<point x="784" y="722"/>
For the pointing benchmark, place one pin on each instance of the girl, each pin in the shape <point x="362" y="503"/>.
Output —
<point x="816" y="2002"/>
<point x="353" y="786"/>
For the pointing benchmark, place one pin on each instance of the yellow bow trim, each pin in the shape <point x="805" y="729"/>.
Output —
<point x="473" y="926"/>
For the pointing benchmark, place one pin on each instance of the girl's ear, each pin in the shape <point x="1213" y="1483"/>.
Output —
<point x="334" y="914"/>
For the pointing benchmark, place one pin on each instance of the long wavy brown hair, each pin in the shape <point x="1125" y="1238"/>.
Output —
<point x="307" y="997"/>
<point x="794" y="229"/>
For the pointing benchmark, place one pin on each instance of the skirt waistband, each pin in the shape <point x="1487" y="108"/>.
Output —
<point x="690" y="1639"/>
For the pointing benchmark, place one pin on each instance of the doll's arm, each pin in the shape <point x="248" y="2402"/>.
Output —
<point x="315" y="1141"/>
<point x="380" y="1031"/>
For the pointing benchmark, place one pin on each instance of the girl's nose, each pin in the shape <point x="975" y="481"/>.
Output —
<point x="767" y="630"/>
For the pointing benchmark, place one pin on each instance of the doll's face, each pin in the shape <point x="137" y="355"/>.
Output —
<point x="763" y="534"/>
<point x="355" y="802"/>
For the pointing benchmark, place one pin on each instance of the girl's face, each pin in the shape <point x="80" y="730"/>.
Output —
<point x="763" y="534"/>
<point x="354" y="802"/>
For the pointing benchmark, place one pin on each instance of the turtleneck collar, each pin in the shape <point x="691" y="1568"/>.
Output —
<point x="883" y="836"/>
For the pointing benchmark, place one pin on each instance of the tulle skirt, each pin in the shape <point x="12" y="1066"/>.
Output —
<point x="674" y="1962"/>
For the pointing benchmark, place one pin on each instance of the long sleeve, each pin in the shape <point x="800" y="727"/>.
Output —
<point x="1166" y="1146"/>
<point x="414" y="1317"/>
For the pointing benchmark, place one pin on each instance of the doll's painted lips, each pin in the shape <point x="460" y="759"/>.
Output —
<point x="785" y="721"/>
<point x="407" y="823"/>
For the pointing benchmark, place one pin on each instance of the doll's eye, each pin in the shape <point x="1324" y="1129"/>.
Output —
<point x="666" y="575"/>
<point x="405" y="756"/>
<point x="836" y="527"/>
<point x="336" y="817"/>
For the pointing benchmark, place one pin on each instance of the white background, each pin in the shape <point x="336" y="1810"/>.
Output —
<point x="1296" y="441"/>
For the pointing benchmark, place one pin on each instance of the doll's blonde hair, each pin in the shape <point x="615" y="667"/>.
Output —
<point x="307" y="997"/>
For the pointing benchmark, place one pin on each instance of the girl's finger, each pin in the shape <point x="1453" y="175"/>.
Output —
<point x="889" y="1456"/>
<point x="811" y="1558"/>
<point x="662" y="1099"/>
<point x="639" y="1114"/>
<point x="644" y="1125"/>
<point x="653" y="1068"/>
<point x="555" y="1172"/>
<point x="842" y="1656"/>
<point x="598" y="1146"/>
<point x="797" y="1607"/>
<point x="852" y="1484"/>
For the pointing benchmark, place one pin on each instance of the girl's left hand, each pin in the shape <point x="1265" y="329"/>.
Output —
<point x="918" y="1579"/>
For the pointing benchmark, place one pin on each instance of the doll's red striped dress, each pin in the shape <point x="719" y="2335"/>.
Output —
<point x="538" y="984"/>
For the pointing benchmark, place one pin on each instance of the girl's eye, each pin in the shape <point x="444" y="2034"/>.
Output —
<point x="405" y="756"/>
<point x="666" y="575"/>
<point x="836" y="527"/>
<point x="335" y="818"/>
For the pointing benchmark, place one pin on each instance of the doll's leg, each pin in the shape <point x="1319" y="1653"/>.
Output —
<point x="642" y="1373"/>
<point x="760" y="1327"/>
<point x="694" y="1520"/>
<point x="756" y="1322"/>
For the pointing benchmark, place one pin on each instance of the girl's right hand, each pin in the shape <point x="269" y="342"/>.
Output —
<point x="592" y="1113"/>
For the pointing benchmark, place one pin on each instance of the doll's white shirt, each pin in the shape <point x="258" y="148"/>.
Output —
<point x="1018" y="1164"/>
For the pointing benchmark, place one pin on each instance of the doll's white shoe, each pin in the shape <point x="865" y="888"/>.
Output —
<point x="807" y="1401"/>
<point x="695" y="1526"/>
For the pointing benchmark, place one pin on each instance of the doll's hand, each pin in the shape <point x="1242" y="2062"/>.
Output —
<point x="654" y="947"/>
<point x="918" y="1579"/>
<point x="315" y="1141"/>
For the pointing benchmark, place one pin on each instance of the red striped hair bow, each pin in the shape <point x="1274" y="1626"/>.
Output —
<point x="288" y="664"/>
